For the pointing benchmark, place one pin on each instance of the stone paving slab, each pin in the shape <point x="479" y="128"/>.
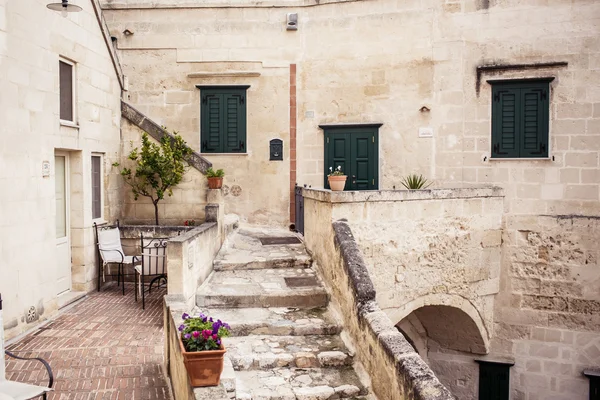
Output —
<point x="105" y="347"/>
<point x="244" y="250"/>
<point x="276" y="321"/>
<point x="265" y="352"/>
<point x="298" y="384"/>
<point x="262" y="288"/>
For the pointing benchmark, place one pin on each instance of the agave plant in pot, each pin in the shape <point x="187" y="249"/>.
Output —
<point x="336" y="178"/>
<point x="201" y="342"/>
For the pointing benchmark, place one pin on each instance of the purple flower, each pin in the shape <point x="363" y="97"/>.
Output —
<point x="181" y="327"/>
<point x="187" y="336"/>
<point x="185" y="316"/>
<point x="202" y="316"/>
<point x="218" y="342"/>
<point x="210" y="319"/>
<point x="195" y="334"/>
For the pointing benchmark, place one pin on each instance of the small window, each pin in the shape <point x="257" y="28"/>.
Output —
<point x="520" y="117"/>
<point x="494" y="380"/>
<point x="594" y="377"/>
<point x="67" y="94"/>
<point x="97" y="187"/>
<point x="223" y="119"/>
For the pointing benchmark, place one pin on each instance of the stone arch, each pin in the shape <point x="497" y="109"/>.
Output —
<point x="447" y="319"/>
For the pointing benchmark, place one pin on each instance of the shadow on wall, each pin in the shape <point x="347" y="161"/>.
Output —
<point x="448" y="326"/>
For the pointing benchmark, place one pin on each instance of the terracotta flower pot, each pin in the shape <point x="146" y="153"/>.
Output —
<point x="215" y="183"/>
<point x="203" y="367"/>
<point x="337" y="182"/>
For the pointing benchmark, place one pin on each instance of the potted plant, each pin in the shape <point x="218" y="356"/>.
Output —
<point x="215" y="178"/>
<point x="336" y="179"/>
<point x="202" y="348"/>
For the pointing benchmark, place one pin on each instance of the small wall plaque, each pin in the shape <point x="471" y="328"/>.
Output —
<point x="45" y="168"/>
<point x="276" y="149"/>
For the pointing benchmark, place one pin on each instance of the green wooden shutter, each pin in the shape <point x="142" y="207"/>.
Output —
<point x="505" y="117"/>
<point x="362" y="170"/>
<point x="223" y="120"/>
<point x="211" y="130"/>
<point x="337" y="153"/>
<point x="234" y="118"/>
<point x="594" y="387"/>
<point x="534" y="122"/>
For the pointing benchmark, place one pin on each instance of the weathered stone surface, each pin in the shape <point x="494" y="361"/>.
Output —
<point x="333" y="358"/>
<point x="347" y="390"/>
<point x="314" y="393"/>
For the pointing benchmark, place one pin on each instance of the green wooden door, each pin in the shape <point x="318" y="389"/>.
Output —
<point x="356" y="151"/>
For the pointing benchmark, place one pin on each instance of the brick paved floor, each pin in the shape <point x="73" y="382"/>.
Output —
<point x="105" y="348"/>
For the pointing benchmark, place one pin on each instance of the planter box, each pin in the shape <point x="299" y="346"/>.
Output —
<point x="203" y="367"/>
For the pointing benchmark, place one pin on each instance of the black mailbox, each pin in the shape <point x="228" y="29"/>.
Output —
<point x="276" y="149"/>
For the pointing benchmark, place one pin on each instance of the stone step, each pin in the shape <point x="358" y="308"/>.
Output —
<point x="266" y="352"/>
<point x="299" y="384"/>
<point x="252" y="262"/>
<point x="262" y="248"/>
<point x="276" y="321"/>
<point x="299" y="288"/>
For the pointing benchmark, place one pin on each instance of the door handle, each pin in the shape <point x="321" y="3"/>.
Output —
<point x="353" y="178"/>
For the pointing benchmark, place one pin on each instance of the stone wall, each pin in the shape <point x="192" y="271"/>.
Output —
<point x="395" y="370"/>
<point x="434" y="257"/>
<point x="546" y="315"/>
<point x="32" y="38"/>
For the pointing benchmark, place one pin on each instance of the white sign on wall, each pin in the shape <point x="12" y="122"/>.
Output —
<point x="45" y="168"/>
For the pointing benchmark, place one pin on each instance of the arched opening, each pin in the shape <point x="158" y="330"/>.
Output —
<point x="448" y="339"/>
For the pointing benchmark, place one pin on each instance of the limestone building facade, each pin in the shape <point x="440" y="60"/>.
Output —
<point x="469" y="93"/>
<point x="61" y="91"/>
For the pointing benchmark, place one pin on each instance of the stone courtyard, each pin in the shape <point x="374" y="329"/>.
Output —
<point x="103" y="348"/>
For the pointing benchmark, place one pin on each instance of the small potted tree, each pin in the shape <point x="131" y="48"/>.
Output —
<point x="215" y="178"/>
<point x="202" y="348"/>
<point x="336" y="178"/>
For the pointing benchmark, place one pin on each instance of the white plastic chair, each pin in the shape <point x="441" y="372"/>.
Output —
<point x="111" y="252"/>
<point x="10" y="390"/>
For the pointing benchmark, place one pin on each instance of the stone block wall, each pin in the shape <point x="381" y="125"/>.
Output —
<point x="546" y="315"/>
<point x="32" y="39"/>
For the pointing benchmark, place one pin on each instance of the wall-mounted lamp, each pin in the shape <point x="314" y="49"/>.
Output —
<point x="424" y="109"/>
<point x="127" y="32"/>
<point x="64" y="7"/>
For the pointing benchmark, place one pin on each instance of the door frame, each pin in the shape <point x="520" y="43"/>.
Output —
<point x="66" y="155"/>
<point x="349" y="129"/>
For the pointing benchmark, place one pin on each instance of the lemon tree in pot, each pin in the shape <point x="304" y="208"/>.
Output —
<point x="202" y="348"/>
<point x="336" y="178"/>
<point x="215" y="178"/>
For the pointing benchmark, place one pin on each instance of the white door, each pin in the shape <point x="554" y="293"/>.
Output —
<point x="63" y="245"/>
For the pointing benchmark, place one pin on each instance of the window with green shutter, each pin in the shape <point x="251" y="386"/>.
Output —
<point x="520" y="115"/>
<point x="223" y="119"/>
<point x="494" y="380"/>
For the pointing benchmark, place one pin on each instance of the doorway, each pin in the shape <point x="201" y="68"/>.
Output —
<point x="355" y="148"/>
<point x="63" y="225"/>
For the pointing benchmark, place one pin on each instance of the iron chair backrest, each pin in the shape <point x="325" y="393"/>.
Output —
<point x="2" y="366"/>
<point x="154" y="256"/>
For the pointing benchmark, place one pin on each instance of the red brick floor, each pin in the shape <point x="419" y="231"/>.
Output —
<point x="105" y="347"/>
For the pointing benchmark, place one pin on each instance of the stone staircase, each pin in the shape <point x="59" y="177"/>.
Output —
<point x="285" y="342"/>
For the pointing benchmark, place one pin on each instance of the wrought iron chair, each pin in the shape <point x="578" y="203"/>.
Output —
<point x="18" y="390"/>
<point x="154" y="263"/>
<point x="110" y="251"/>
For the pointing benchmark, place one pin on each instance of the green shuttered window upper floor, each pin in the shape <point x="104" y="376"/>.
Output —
<point x="520" y="118"/>
<point x="223" y="119"/>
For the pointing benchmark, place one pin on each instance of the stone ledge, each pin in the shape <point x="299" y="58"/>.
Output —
<point x="157" y="133"/>
<point x="328" y="196"/>
<point x="152" y="4"/>
<point x="193" y="232"/>
<point x="412" y="373"/>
